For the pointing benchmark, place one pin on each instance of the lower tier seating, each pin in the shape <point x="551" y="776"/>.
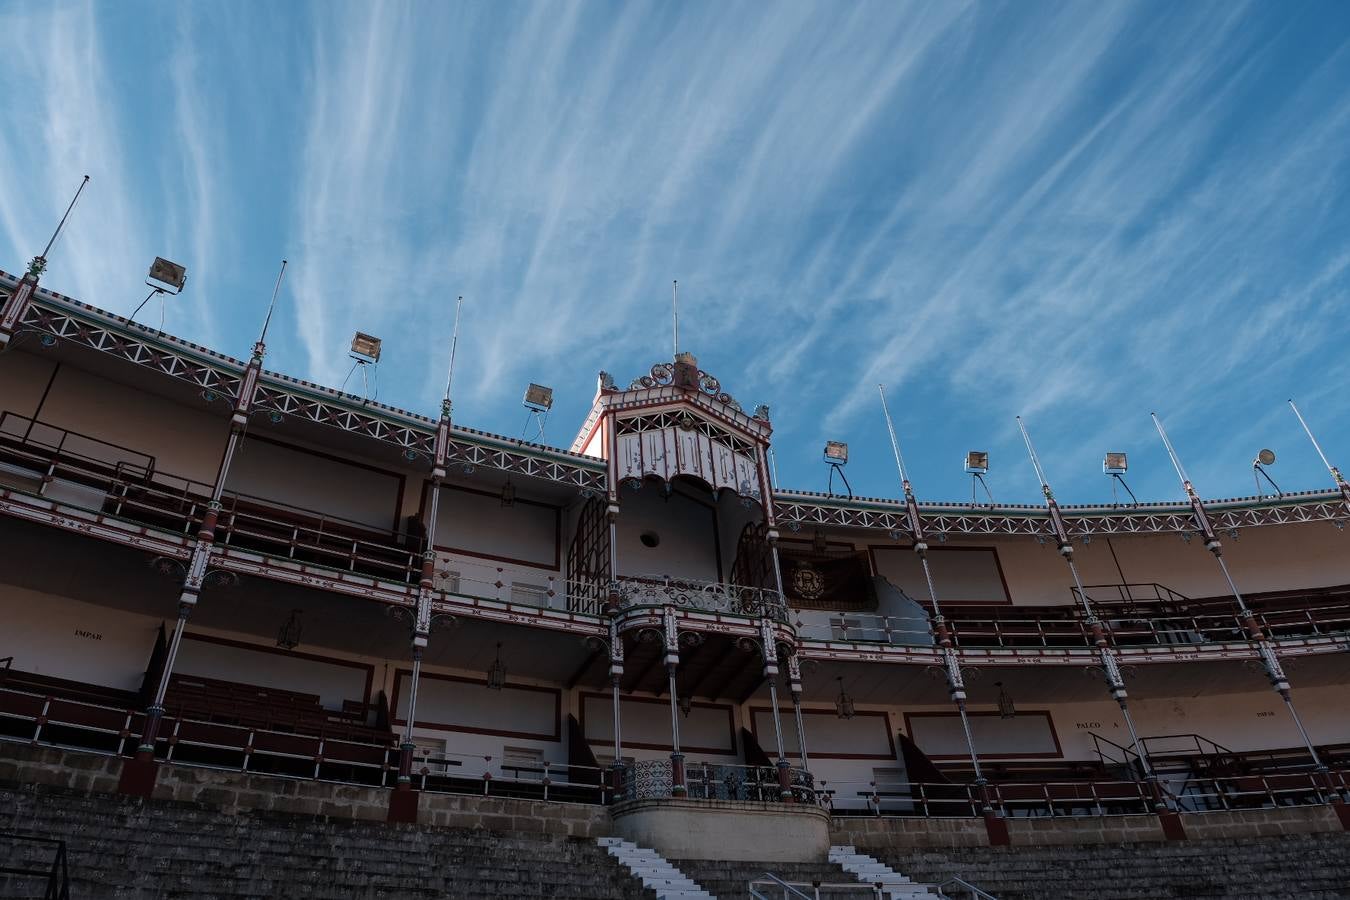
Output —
<point x="130" y="849"/>
<point x="1306" y="866"/>
<point x="272" y="709"/>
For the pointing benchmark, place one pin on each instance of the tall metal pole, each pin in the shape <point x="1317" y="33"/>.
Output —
<point x="795" y="686"/>
<point x="615" y="677"/>
<point x="951" y="665"/>
<point x="16" y="304"/>
<point x="1255" y="632"/>
<point x="1115" y="681"/>
<point x="675" y="314"/>
<point x="421" y="630"/>
<point x="671" y="634"/>
<point x="206" y="536"/>
<point x="1341" y="484"/>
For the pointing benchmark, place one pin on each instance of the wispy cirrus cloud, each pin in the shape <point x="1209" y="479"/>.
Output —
<point x="1076" y="213"/>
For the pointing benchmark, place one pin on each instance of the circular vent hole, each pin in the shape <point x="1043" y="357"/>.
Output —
<point x="650" y="538"/>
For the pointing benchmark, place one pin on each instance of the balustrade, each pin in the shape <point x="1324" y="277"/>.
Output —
<point x="650" y="779"/>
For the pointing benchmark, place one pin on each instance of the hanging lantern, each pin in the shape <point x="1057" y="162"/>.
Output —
<point x="496" y="673"/>
<point x="843" y="704"/>
<point x="1006" y="710"/>
<point x="288" y="637"/>
<point x="686" y="705"/>
<point x="508" y="493"/>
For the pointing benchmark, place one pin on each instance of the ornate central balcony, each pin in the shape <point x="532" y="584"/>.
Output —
<point x="589" y="596"/>
<point x="651" y="779"/>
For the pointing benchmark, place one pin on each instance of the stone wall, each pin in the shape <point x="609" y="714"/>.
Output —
<point x="718" y="830"/>
<point x="229" y="791"/>
<point x="894" y="831"/>
<point x="884" y="832"/>
<point x="23" y="764"/>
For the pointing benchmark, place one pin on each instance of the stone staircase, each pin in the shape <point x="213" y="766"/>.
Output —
<point x="656" y="874"/>
<point x="130" y="849"/>
<point x="868" y="870"/>
<point x="1306" y="866"/>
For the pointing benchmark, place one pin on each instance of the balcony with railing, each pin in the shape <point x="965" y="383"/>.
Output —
<point x="651" y="779"/>
<point x="1135" y="615"/>
<point x="591" y="596"/>
<point x="125" y="484"/>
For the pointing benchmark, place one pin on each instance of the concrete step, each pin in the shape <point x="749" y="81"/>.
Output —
<point x="655" y="873"/>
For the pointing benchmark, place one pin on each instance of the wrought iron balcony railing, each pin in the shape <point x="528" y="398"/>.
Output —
<point x="591" y="595"/>
<point x="651" y="779"/>
<point x="1137" y="624"/>
<point x="707" y="596"/>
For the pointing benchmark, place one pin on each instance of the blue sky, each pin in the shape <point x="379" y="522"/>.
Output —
<point x="1079" y="212"/>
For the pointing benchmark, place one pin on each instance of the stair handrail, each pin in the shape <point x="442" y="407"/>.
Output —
<point x="817" y="889"/>
<point x="1098" y="740"/>
<point x="788" y="889"/>
<point x="57" y="874"/>
<point x="1199" y="740"/>
<point x="976" y="892"/>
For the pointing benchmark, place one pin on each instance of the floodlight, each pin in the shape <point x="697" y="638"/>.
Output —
<point x="366" y="347"/>
<point x="164" y="278"/>
<point x="1115" y="464"/>
<point x="538" y="398"/>
<point x="977" y="462"/>
<point x="836" y="453"/>
<point x="168" y="273"/>
<point x="1265" y="458"/>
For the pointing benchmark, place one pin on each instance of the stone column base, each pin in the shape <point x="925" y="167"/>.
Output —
<point x="997" y="828"/>
<point x="403" y="806"/>
<point x="138" y="777"/>
<point x="716" y="829"/>
<point x="1172" y="827"/>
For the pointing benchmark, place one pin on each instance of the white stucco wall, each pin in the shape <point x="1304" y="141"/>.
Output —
<point x="63" y="638"/>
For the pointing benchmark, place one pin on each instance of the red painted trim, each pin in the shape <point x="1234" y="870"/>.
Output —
<point x="399" y="675"/>
<point x="632" y="409"/>
<point x="816" y="754"/>
<point x="909" y="548"/>
<point x="263" y="648"/>
<point x="557" y="530"/>
<point x="639" y="745"/>
<point x="1044" y="713"/>
<point x="399" y="476"/>
<point x="1172" y="826"/>
<point x="828" y="543"/>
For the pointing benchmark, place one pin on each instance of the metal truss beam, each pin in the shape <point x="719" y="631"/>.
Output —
<point x="796" y="511"/>
<point x="222" y="375"/>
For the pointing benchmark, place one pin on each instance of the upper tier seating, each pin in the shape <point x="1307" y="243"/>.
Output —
<point x="122" y="848"/>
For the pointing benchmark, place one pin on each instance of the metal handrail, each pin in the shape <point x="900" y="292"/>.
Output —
<point x="976" y="892"/>
<point x="1064" y="627"/>
<point x="154" y="496"/>
<point x="710" y="596"/>
<point x="790" y="889"/>
<point x="57" y="874"/>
